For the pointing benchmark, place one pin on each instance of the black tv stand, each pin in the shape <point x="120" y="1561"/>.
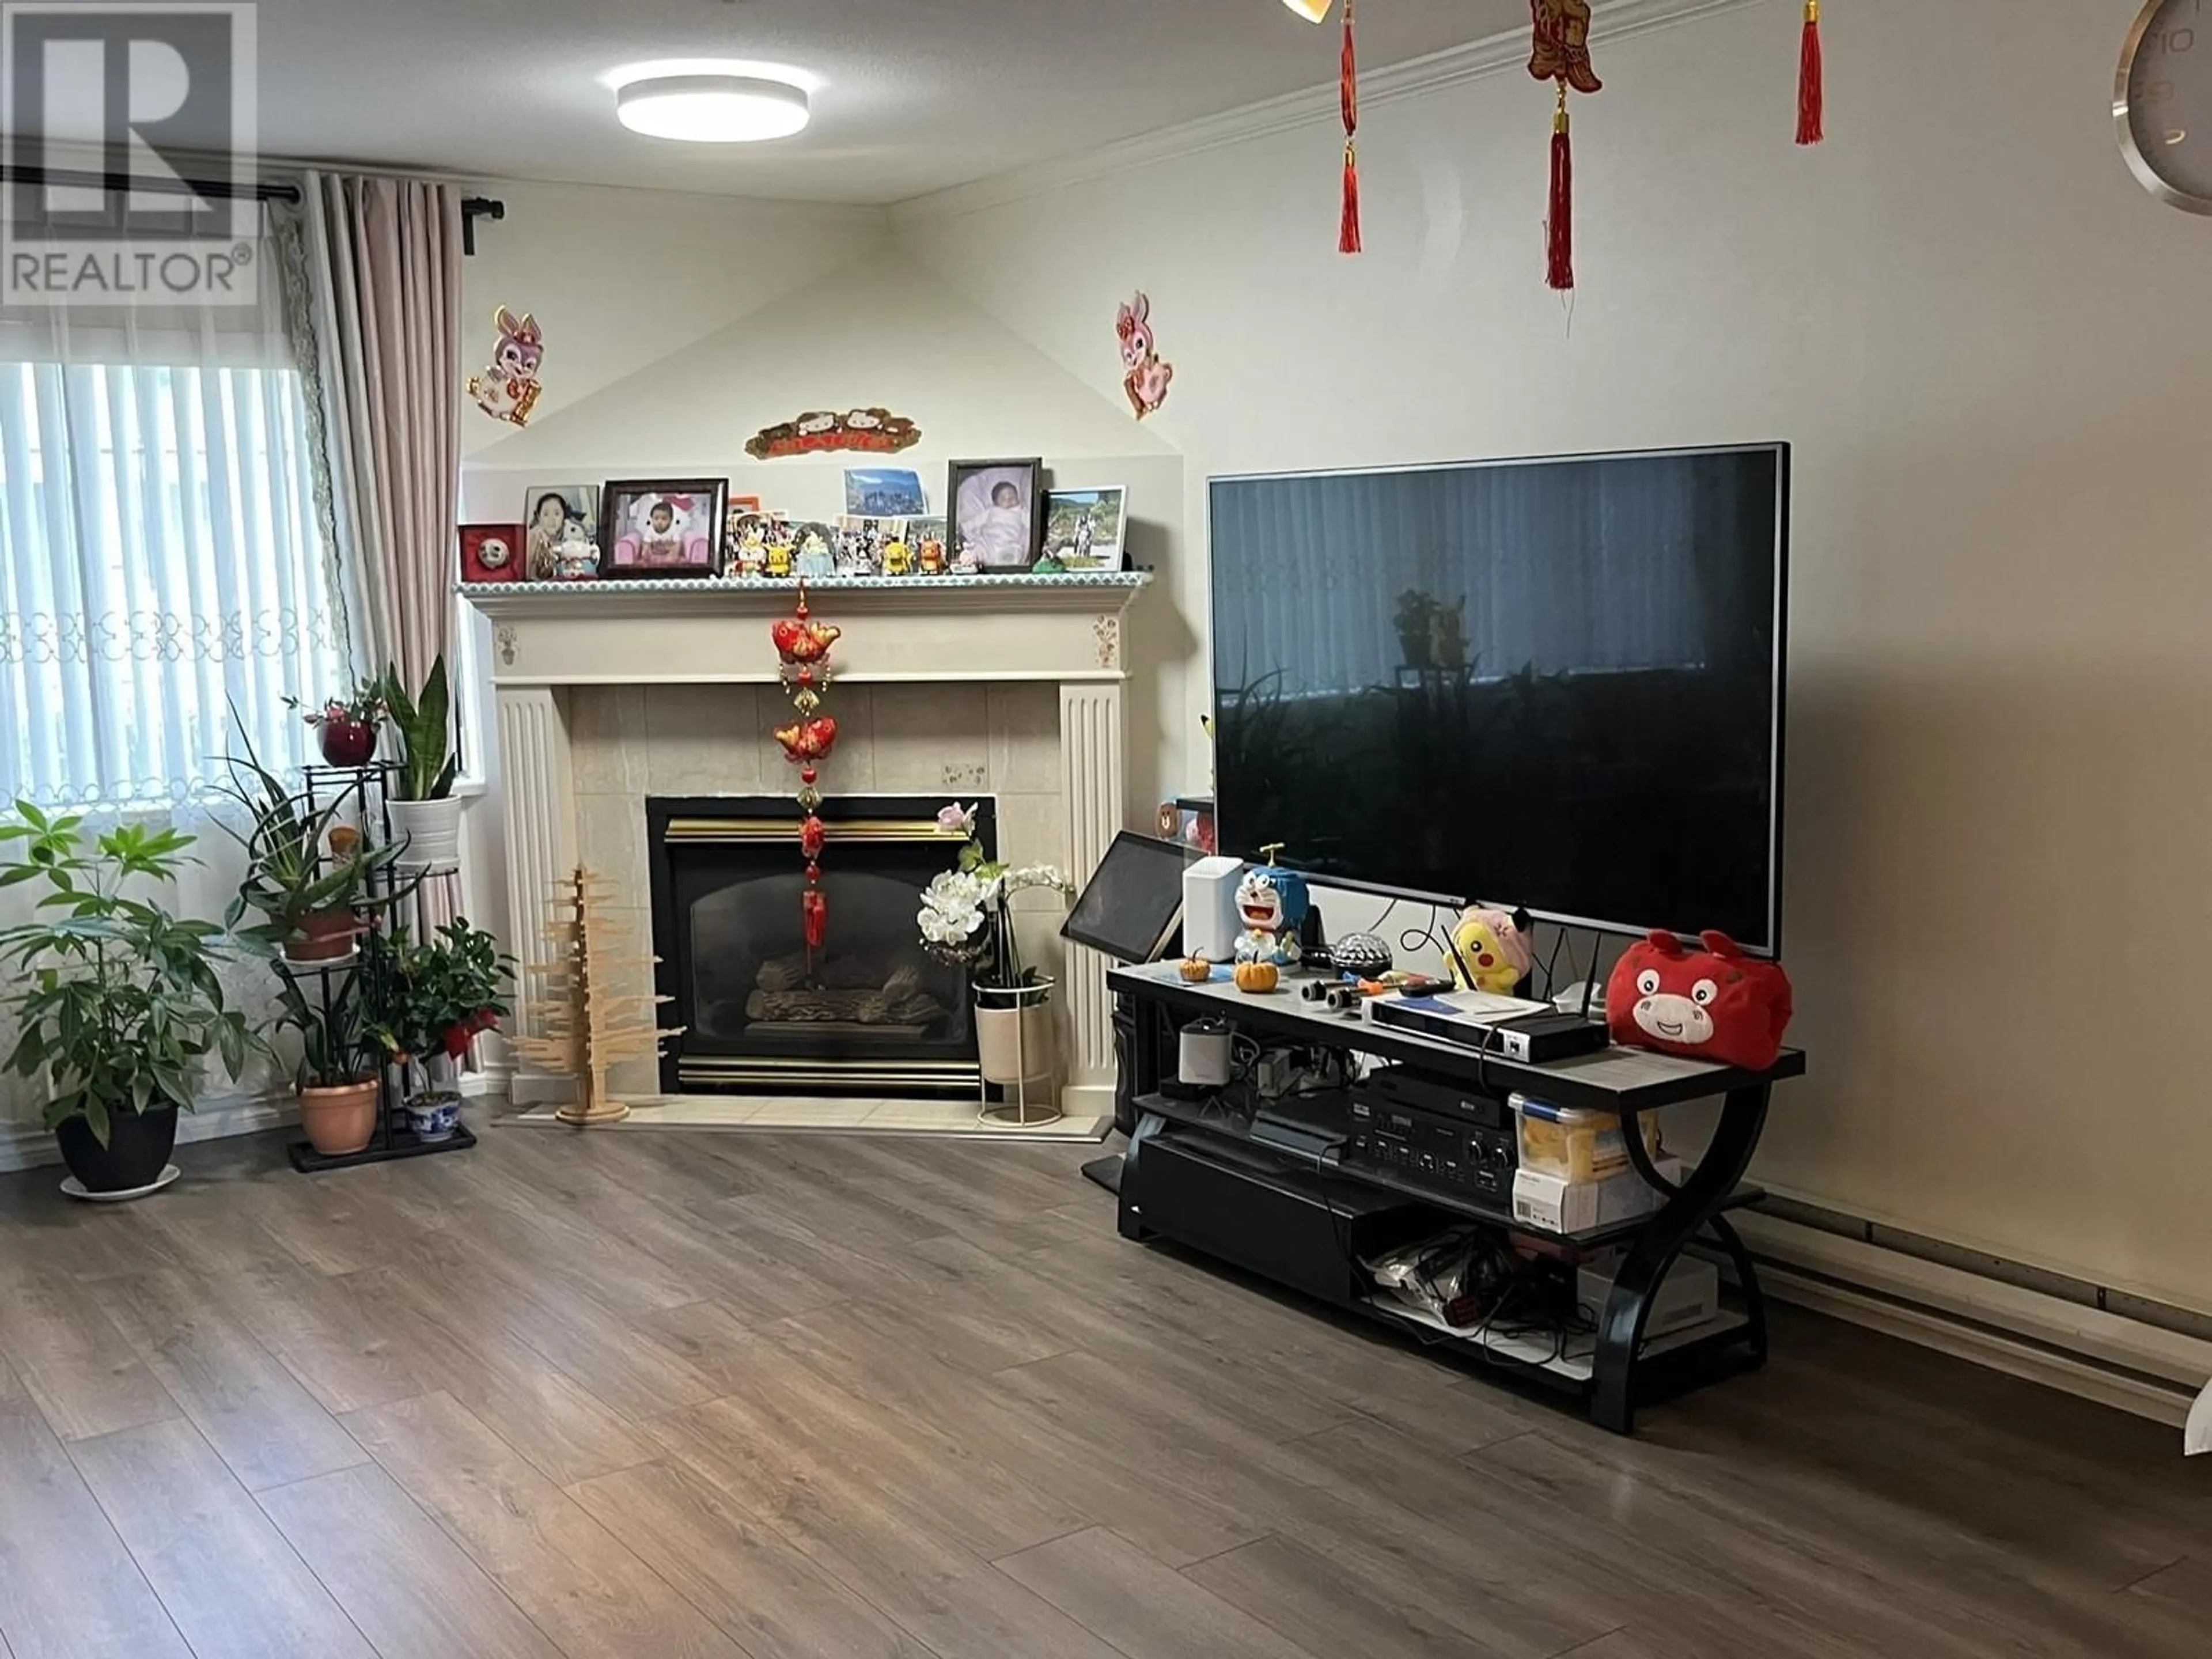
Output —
<point x="1219" y="1183"/>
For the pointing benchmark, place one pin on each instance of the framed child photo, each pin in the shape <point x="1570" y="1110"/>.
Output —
<point x="655" y="529"/>
<point x="997" y="510"/>
<point x="1083" y="529"/>
<point x="554" y="513"/>
<point x="491" y="553"/>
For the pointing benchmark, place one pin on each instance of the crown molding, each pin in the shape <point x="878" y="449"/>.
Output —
<point x="1476" y="60"/>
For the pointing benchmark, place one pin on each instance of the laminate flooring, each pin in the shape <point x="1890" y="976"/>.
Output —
<point x="644" y="1397"/>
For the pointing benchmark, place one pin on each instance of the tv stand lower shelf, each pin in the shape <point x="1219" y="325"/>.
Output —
<point x="1200" y="1176"/>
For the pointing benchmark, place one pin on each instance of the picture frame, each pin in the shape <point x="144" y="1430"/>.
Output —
<point x="547" y="510"/>
<point x="883" y="492"/>
<point x="492" y="553"/>
<point x="995" y="511"/>
<point x="662" y="529"/>
<point x="1087" y="529"/>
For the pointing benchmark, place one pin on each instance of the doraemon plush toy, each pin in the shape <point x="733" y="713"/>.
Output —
<point x="1714" y="1004"/>
<point x="1272" y="904"/>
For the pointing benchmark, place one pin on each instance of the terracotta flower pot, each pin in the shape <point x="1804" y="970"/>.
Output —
<point x="347" y="741"/>
<point x="326" y="936"/>
<point x="339" y="1120"/>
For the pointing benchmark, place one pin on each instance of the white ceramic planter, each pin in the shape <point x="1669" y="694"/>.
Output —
<point x="432" y="832"/>
<point x="1014" y="1039"/>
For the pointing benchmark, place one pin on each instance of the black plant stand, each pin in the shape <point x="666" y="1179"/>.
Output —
<point x="367" y="787"/>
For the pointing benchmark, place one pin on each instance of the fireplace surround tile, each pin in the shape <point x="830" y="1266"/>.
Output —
<point x="1024" y="724"/>
<point x="927" y="739"/>
<point x="608" y="739"/>
<point x="704" y="739"/>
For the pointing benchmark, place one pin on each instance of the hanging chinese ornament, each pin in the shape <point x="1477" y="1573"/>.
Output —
<point x="803" y="646"/>
<point x="1561" y="55"/>
<point x="1347" y="235"/>
<point x="1811" y="94"/>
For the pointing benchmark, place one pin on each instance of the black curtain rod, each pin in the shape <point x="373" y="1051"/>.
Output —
<point x="473" y="208"/>
<point x="213" y="190"/>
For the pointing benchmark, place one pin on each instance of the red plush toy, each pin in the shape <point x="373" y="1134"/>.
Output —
<point x="1716" y="1004"/>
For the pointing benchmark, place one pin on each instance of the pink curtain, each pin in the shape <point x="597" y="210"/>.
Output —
<point x="388" y="253"/>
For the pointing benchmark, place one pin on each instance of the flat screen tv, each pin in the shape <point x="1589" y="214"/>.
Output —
<point x="1554" y="682"/>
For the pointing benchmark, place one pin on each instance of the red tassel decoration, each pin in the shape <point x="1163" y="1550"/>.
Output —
<point x="1559" y="227"/>
<point x="1347" y="235"/>
<point x="1812" y="95"/>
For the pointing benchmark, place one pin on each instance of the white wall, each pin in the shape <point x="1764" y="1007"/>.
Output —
<point x="1988" y="346"/>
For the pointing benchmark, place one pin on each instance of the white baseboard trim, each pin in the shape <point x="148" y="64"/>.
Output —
<point x="2064" y="1345"/>
<point x="29" y="1146"/>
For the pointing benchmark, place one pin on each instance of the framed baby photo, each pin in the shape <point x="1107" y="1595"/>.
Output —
<point x="655" y="529"/>
<point x="997" y="513"/>
<point x="553" y="513"/>
<point x="491" y="553"/>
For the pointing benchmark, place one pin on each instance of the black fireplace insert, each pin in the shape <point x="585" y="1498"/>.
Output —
<point x="871" y="1012"/>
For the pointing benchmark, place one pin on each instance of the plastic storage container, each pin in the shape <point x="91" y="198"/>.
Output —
<point x="1576" y="1144"/>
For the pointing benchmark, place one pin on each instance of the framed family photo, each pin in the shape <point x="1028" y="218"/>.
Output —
<point x="997" y="513"/>
<point x="547" y="510"/>
<point x="653" y="528"/>
<point x="1084" y="529"/>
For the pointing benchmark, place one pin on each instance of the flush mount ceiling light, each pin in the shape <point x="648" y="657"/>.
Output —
<point x="712" y="108"/>
<point x="1312" y="10"/>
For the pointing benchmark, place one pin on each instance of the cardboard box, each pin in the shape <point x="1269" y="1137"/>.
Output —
<point x="1555" y="1204"/>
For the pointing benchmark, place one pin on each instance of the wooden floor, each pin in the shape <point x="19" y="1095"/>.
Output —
<point x="687" y="1397"/>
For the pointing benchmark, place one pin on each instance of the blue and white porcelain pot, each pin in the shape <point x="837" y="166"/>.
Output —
<point x="434" y="1117"/>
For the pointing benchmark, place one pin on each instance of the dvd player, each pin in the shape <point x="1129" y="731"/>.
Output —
<point x="1532" y="1033"/>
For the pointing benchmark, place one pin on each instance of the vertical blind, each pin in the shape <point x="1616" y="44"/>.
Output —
<point x="162" y="563"/>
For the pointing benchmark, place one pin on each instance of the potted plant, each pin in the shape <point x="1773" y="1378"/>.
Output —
<point x="308" y="870"/>
<point x="341" y="1056"/>
<point x="443" y="993"/>
<point x="346" y="726"/>
<point x="118" y="999"/>
<point x="425" y="815"/>
<point x="966" y="921"/>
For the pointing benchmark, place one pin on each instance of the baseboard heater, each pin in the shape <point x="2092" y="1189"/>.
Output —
<point x="2143" y="1356"/>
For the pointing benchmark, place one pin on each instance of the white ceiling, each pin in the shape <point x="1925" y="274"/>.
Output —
<point x="915" y="95"/>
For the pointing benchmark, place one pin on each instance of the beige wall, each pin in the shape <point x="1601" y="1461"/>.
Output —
<point x="1988" y="346"/>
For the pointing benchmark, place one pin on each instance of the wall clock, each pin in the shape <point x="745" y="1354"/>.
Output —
<point x="2162" y="102"/>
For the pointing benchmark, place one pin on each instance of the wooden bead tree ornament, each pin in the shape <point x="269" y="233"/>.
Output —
<point x="583" y="1026"/>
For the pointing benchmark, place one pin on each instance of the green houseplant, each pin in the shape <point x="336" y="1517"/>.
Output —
<point x="306" y="870"/>
<point x="341" y="1053"/>
<point x="119" y="999"/>
<point x="425" y="814"/>
<point x="443" y="993"/>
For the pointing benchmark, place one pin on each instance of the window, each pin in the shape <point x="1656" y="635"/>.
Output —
<point x="162" y="563"/>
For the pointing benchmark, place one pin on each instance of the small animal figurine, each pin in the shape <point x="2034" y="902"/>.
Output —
<point x="1714" y="1004"/>
<point x="507" y="390"/>
<point x="898" y="559"/>
<point x="576" y="555"/>
<point x="1048" y="564"/>
<point x="778" y="560"/>
<point x="1272" y="904"/>
<point x="752" y="554"/>
<point x="1493" y="950"/>
<point x="932" y="557"/>
<point x="815" y="559"/>
<point x="1146" y="379"/>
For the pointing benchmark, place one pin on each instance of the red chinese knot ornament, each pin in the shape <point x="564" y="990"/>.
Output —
<point x="1560" y="54"/>
<point x="802" y="645"/>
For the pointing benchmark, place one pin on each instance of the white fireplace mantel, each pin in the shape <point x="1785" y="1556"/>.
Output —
<point x="1061" y="630"/>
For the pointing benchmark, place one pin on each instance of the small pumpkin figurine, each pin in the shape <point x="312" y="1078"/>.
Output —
<point x="1195" y="970"/>
<point x="1257" y="978"/>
